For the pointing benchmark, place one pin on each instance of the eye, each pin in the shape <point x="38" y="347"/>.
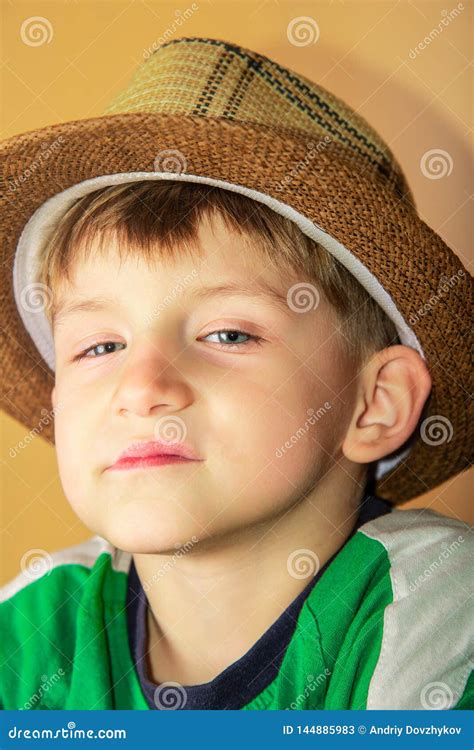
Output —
<point x="103" y="347"/>
<point x="107" y="347"/>
<point x="232" y="338"/>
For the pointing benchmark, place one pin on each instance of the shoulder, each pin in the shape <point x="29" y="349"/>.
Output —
<point x="49" y="581"/>
<point x="43" y="571"/>
<point x="427" y="652"/>
<point x="42" y="607"/>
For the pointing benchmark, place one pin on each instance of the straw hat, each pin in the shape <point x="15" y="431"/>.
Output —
<point x="204" y="110"/>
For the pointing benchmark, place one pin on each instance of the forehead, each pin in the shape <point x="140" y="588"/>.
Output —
<point x="219" y="259"/>
<point x="217" y="249"/>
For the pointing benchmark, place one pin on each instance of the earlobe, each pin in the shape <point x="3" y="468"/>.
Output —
<point x="393" y="389"/>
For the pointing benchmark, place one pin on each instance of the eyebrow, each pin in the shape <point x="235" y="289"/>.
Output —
<point x="262" y="289"/>
<point x="65" y="310"/>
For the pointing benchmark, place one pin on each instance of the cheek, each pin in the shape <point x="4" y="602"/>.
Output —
<point x="260" y="425"/>
<point x="255" y="477"/>
<point x="288" y="443"/>
<point x="72" y="443"/>
<point x="292" y="440"/>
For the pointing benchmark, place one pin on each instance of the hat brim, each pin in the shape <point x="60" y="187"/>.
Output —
<point x="348" y="209"/>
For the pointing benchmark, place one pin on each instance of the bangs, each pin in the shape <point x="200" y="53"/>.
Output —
<point x="158" y="221"/>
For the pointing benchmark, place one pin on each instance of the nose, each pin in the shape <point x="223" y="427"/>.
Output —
<point x="149" y="384"/>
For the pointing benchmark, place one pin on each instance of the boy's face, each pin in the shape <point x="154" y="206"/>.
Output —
<point x="169" y="375"/>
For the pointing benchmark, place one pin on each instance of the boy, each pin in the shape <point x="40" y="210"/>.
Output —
<point x="239" y="400"/>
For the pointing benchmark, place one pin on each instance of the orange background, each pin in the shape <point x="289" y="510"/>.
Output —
<point x="417" y="103"/>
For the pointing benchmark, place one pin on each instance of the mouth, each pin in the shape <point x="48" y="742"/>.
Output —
<point x="147" y="454"/>
<point x="145" y="462"/>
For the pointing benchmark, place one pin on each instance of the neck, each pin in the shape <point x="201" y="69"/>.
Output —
<point x="216" y="600"/>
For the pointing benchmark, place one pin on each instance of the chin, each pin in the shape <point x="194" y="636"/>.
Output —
<point x="151" y="536"/>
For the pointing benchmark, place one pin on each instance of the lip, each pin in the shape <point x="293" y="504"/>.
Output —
<point x="154" y="453"/>
<point x="148" y="462"/>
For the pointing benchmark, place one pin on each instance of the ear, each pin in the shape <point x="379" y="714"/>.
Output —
<point x="392" y="390"/>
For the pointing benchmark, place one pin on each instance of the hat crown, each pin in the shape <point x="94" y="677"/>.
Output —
<point x="217" y="79"/>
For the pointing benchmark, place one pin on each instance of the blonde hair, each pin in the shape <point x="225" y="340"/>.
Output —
<point x="160" y="218"/>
